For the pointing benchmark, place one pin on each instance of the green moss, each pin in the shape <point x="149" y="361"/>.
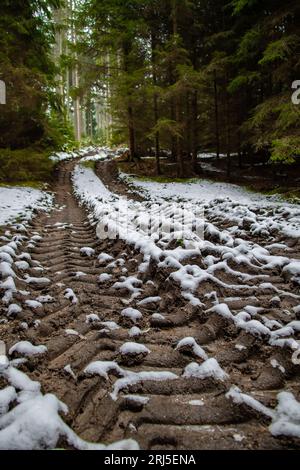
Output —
<point x="28" y="166"/>
<point x="89" y="164"/>
<point x="291" y="195"/>
<point x="25" y="184"/>
<point x="165" y="179"/>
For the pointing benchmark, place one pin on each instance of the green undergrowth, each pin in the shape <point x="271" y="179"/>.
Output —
<point x="25" y="184"/>
<point x="291" y="195"/>
<point x="28" y="167"/>
<point x="89" y="164"/>
<point x="164" y="179"/>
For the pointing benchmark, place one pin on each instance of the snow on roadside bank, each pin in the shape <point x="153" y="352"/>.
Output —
<point x="262" y="215"/>
<point x="19" y="203"/>
<point x="202" y="191"/>
<point x="85" y="154"/>
<point x="63" y="156"/>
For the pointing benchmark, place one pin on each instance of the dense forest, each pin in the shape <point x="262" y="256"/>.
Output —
<point x="171" y="77"/>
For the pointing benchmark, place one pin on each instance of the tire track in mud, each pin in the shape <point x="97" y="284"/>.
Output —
<point x="182" y="413"/>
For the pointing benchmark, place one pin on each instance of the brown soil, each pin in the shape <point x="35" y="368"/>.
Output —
<point x="108" y="172"/>
<point x="169" y="420"/>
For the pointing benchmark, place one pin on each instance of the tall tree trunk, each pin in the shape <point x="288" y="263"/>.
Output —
<point x="217" y="128"/>
<point x="179" y="154"/>
<point x="173" y="139"/>
<point x="180" y="166"/>
<point x="76" y="102"/>
<point x="188" y="126"/>
<point x="131" y="133"/>
<point x="155" y="104"/>
<point x="195" y="131"/>
<point x="228" y="129"/>
<point x="175" y="17"/>
<point x="108" y="99"/>
<point x="77" y="111"/>
<point x="130" y="118"/>
<point x="58" y="49"/>
<point x="240" y="150"/>
<point x="67" y="97"/>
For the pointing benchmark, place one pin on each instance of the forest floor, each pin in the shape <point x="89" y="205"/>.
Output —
<point x="169" y="342"/>
<point x="270" y="179"/>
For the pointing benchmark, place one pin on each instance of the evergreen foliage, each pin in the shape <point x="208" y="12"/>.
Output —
<point x="175" y="76"/>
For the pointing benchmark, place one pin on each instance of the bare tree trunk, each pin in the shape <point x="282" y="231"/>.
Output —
<point x="195" y="131"/>
<point x="130" y="118"/>
<point x="58" y="49"/>
<point x="155" y="105"/>
<point x="180" y="169"/>
<point x="179" y="155"/>
<point x="76" y="101"/>
<point x="217" y="128"/>
<point x="188" y="125"/>
<point x="77" y="111"/>
<point x="131" y="133"/>
<point x="67" y="96"/>
<point x="173" y="140"/>
<point x="175" y="17"/>
<point x="228" y="130"/>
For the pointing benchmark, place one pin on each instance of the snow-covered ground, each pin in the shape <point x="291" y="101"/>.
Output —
<point x="30" y="419"/>
<point x="202" y="191"/>
<point x="211" y="155"/>
<point x="212" y="249"/>
<point x="241" y="234"/>
<point x="19" y="203"/>
<point x="228" y="202"/>
<point x="152" y="226"/>
<point x="86" y="153"/>
<point x="142" y="223"/>
<point x="35" y="422"/>
<point x="101" y="154"/>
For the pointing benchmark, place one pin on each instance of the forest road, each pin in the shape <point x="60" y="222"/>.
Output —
<point x="165" y="412"/>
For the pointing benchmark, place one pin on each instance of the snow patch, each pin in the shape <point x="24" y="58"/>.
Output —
<point x="209" y="369"/>
<point x="25" y="348"/>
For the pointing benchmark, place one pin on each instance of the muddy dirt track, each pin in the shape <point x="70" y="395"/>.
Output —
<point x="185" y="413"/>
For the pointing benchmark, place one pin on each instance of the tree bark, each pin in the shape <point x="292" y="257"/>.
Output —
<point x="130" y="116"/>
<point x="217" y="128"/>
<point x="195" y="131"/>
<point x="155" y="104"/>
<point x="228" y="130"/>
<point x="131" y="134"/>
<point x="179" y="155"/>
<point x="76" y="101"/>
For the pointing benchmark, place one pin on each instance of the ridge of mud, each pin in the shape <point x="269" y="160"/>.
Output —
<point x="171" y="416"/>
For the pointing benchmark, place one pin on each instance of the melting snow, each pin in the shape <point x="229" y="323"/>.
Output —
<point x="88" y="252"/>
<point x="104" y="277"/>
<point x="25" y="348"/>
<point x="134" y="349"/>
<point x="209" y="368"/>
<point x="191" y="343"/>
<point x="133" y="314"/>
<point x="70" y="295"/>
<point x="21" y="202"/>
